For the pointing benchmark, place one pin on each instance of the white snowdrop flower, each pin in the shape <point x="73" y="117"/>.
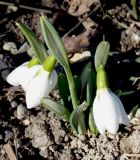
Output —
<point x="22" y="75"/>
<point x="37" y="80"/>
<point x="40" y="86"/>
<point x="108" y="110"/>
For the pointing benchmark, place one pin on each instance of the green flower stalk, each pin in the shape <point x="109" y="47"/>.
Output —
<point x="72" y="88"/>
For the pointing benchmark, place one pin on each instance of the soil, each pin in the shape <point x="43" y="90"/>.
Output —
<point x="38" y="133"/>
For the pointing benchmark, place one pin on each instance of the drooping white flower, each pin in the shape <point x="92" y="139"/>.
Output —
<point x="37" y="80"/>
<point x="40" y="86"/>
<point x="108" y="111"/>
<point x="22" y="75"/>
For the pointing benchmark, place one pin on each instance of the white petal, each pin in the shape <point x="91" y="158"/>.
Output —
<point x="15" y="76"/>
<point x="111" y="112"/>
<point x="98" y="115"/>
<point x="22" y="75"/>
<point x="40" y="86"/>
<point x="107" y="111"/>
<point x="53" y="79"/>
<point x="28" y="76"/>
<point x="123" y="118"/>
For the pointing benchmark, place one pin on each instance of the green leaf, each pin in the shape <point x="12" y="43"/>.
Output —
<point x="125" y="93"/>
<point x="77" y="119"/>
<point x="84" y="76"/>
<point x="54" y="42"/>
<point x="91" y="87"/>
<point x="137" y="60"/>
<point x="101" y="54"/>
<point x="134" y="11"/>
<point x="63" y="88"/>
<point x="56" y="107"/>
<point x="134" y="111"/>
<point x="38" y="48"/>
<point x="77" y="82"/>
<point x="57" y="48"/>
<point x="91" y="123"/>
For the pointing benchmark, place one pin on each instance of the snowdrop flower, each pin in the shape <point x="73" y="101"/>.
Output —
<point x="40" y="86"/>
<point x="108" y="110"/>
<point x="22" y="75"/>
<point x="42" y="83"/>
<point x="37" y="80"/>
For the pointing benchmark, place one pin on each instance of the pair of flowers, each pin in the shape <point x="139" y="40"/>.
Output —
<point x="108" y="110"/>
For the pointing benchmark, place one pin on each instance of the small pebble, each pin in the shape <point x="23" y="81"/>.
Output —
<point x="80" y="56"/>
<point x="22" y="112"/>
<point x="82" y="137"/>
<point x="116" y="154"/>
<point x="23" y="48"/>
<point x="10" y="46"/>
<point x="26" y="122"/>
<point x="111" y="136"/>
<point x="30" y="52"/>
<point x="12" y="9"/>
<point x="66" y="138"/>
<point x="13" y="104"/>
<point x="8" y="135"/>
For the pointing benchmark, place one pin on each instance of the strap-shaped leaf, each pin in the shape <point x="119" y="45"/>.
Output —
<point x="91" y="86"/>
<point x="57" y="48"/>
<point x="77" y="82"/>
<point x="77" y="119"/>
<point x="134" y="11"/>
<point x="56" y="107"/>
<point x="125" y="93"/>
<point x="38" y="47"/>
<point x="84" y="76"/>
<point x="91" y="122"/>
<point x="54" y="42"/>
<point x="63" y="88"/>
<point x="101" y="54"/>
<point x="134" y="111"/>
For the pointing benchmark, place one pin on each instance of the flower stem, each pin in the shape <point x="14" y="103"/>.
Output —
<point x="72" y="87"/>
<point x="75" y="103"/>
